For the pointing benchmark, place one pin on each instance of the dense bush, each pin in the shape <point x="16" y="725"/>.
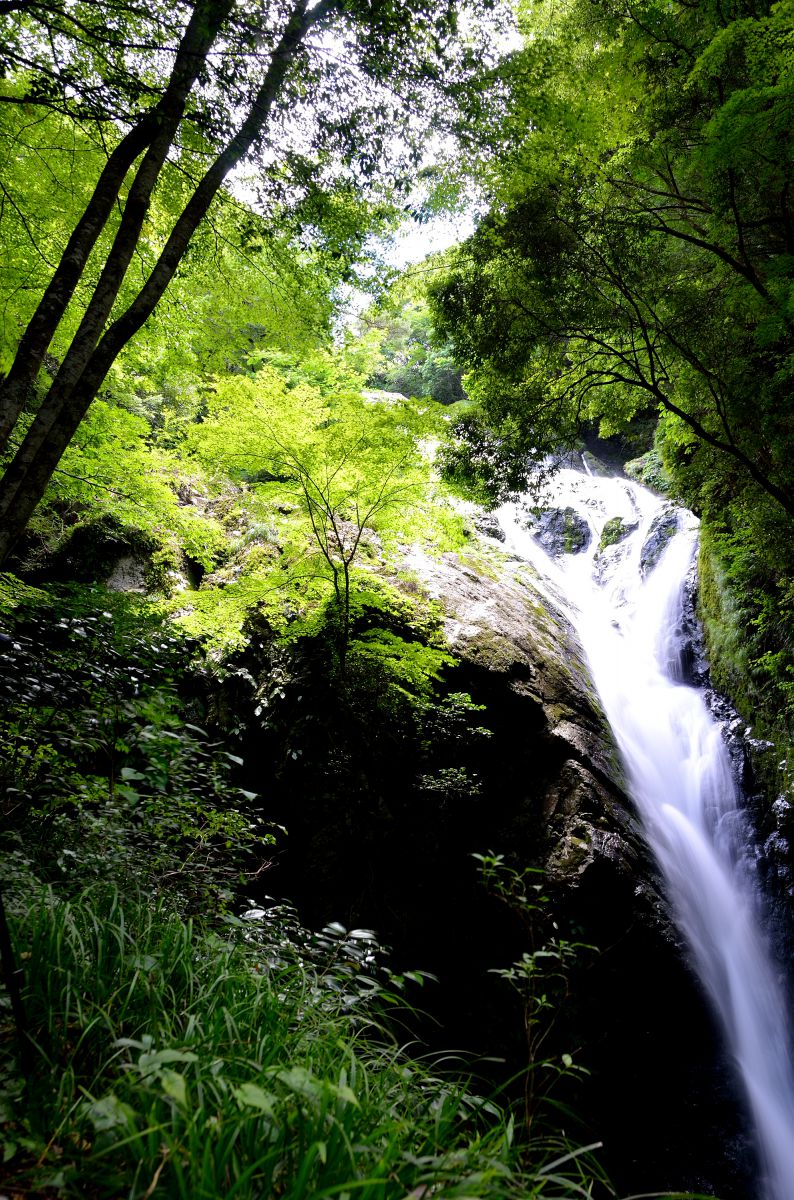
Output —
<point x="105" y="776"/>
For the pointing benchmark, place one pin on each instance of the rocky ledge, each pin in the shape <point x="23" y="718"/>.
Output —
<point x="520" y="655"/>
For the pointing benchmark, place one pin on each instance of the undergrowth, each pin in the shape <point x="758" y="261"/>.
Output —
<point x="172" y="1061"/>
<point x="105" y="772"/>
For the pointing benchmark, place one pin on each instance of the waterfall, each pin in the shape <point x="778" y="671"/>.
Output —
<point x="628" y="608"/>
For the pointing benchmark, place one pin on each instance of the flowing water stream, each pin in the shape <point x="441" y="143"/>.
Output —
<point x="629" y="612"/>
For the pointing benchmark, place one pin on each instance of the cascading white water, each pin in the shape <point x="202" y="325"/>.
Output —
<point x="680" y="777"/>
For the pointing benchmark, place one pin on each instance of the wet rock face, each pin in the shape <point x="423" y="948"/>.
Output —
<point x="391" y="850"/>
<point x="612" y="547"/>
<point x="394" y="853"/>
<point x="689" y="1132"/>
<point x="510" y="638"/>
<point x="616" y="530"/>
<point x="128" y="575"/>
<point x="559" y="531"/>
<point x="753" y="761"/>
<point x="663" y="527"/>
<point x="743" y="748"/>
<point x="488" y="525"/>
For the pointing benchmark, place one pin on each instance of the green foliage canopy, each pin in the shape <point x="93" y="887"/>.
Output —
<point x="337" y="474"/>
<point x="176" y="109"/>
<point x="410" y="360"/>
<point x="640" y="250"/>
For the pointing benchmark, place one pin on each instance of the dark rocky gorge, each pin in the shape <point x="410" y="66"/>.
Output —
<point x="386" y="802"/>
<point x="383" y="822"/>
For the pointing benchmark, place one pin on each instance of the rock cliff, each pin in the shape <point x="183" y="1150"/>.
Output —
<point x="518" y="649"/>
<point x="382" y="830"/>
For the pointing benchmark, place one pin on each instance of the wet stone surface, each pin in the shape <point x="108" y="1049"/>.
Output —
<point x="559" y="531"/>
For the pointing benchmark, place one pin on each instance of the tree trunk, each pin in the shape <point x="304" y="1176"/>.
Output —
<point x="83" y="373"/>
<point x="60" y="290"/>
<point x="155" y="130"/>
<point x="203" y="27"/>
<point x="344" y="633"/>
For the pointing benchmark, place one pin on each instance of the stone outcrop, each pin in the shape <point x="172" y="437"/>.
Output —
<point x="615" y="531"/>
<point x="559" y="530"/>
<point x="488" y="525"/>
<point x="373" y="842"/>
<point x="663" y="527"/>
<point x="509" y="636"/>
<point x="568" y="813"/>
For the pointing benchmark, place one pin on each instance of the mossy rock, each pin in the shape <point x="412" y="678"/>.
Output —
<point x="663" y="528"/>
<point x="92" y="550"/>
<point x="14" y="593"/>
<point x="649" y="470"/>
<point x="492" y="651"/>
<point x="560" y="531"/>
<point x="615" y="530"/>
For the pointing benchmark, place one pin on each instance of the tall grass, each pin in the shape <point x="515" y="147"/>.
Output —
<point x="175" y="1062"/>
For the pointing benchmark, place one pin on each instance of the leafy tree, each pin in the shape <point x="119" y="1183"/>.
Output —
<point x="344" y="487"/>
<point x="237" y="288"/>
<point x="326" y="129"/>
<point x="84" y="61"/>
<point x="639" y="251"/>
<point x="354" y="467"/>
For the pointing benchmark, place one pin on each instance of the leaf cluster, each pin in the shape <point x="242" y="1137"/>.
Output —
<point x="103" y="775"/>
<point x="638" y="253"/>
<point x="409" y="359"/>
<point x="331" y="481"/>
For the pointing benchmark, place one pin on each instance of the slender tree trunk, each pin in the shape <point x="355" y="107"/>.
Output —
<point x="201" y="31"/>
<point x="155" y="130"/>
<point x="41" y="328"/>
<point x="344" y="633"/>
<point x="203" y="27"/>
<point x="83" y="373"/>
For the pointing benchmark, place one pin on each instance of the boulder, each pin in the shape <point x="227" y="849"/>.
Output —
<point x="510" y="638"/>
<point x="541" y="784"/>
<point x="616" y="530"/>
<point x="663" y="527"/>
<point x="559" y="531"/>
<point x="612" y="547"/>
<point x="488" y="525"/>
